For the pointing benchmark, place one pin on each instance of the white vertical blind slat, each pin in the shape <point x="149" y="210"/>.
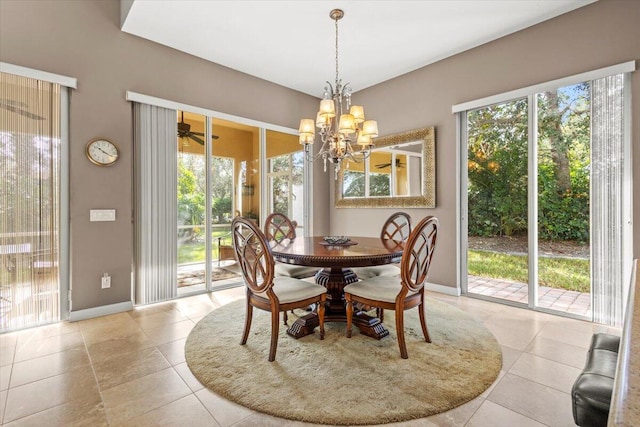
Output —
<point x="155" y="203"/>
<point x="608" y="146"/>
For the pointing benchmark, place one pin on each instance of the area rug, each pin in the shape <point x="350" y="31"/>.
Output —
<point x="191" y="278"/>
<point x="344" y="381"/>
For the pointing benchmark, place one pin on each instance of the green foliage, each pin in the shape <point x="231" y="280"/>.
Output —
<point x="498" y="167"/>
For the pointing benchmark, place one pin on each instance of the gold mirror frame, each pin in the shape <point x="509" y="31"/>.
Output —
<point x="428" y="198"/>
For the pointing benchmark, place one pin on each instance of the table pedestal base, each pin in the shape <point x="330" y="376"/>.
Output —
<point x="335" y="279"/>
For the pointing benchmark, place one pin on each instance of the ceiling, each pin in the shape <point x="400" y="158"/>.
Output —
<point x="292" y="43"/>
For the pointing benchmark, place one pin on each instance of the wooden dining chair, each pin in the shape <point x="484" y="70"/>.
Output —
<point x="264" y="291"/>
<point x="280" y="229"/>
<point x="395" y="231"/>
<point x="404" y="292"/>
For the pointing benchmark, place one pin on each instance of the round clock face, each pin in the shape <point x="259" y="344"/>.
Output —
<point x="102" y="152"/>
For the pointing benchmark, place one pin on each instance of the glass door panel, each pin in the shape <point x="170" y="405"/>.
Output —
<point x="497" y="191"/>
<point x="564" y="164"/>
<point x="285" y="159"/>
<point x="235" y="191"/>
<point x="192" y="176"/>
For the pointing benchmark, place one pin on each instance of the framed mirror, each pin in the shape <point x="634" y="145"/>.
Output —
<point x="400" y="173"/>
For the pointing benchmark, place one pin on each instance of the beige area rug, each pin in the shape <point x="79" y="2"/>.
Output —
<point x="345" y="381"/>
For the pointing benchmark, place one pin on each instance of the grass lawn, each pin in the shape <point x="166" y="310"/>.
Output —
<point x="194" y="251"/>
<point x="561" y="273"/>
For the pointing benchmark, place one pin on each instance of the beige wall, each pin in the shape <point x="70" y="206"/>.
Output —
<point x="82" y="39"/>
<point x="595" y="36"/>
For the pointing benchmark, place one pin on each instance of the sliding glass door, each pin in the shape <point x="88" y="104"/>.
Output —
<point x="544" y="195"/>
<point x="32" y="214"/>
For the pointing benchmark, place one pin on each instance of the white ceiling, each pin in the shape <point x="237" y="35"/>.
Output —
<point x="292" y="43"/>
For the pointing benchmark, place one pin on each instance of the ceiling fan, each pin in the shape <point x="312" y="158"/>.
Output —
<point x="399" y="164"/>
<point x="184" y="131"/>
<point x="18" y="108"/>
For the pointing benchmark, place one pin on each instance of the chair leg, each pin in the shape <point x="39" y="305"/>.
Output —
<point x="423" y="323"/>
<point x="400" y="333"/>
<point x="284" y="317"/>
<point x="275" y="327"/>
<point x="247" y="324"/>
<point x="347" y="297"/>
<point x="323" y="299"/>
<point x="380" y="314"/>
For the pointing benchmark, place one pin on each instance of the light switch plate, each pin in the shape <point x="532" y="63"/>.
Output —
<point x="102" y="215"/>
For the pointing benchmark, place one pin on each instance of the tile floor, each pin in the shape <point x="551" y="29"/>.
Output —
<point x="551" y="298"/>
<point x="129" y="369"/>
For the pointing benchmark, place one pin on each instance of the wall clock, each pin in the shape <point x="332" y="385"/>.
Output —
<point x="102" y="152"/>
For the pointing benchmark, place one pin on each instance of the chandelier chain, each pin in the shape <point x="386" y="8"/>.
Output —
<point x="336" y="20"/>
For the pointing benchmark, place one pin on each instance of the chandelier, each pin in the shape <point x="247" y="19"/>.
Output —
<point x="341" y="125"/>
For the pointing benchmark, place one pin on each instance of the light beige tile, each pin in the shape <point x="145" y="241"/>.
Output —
<point x="142" y="395"/>
<point x="263" y="420"/>
<point x="490" y="414"/>
<point x="558" y="351"/>
<point x="185" y="373"/>
<point x="516" y="338"/>
<point x="509" y="357"/>
<point x="42" y="332"/>
<point x="78" y="413"/>
<point x="171" y="332"/>
<point x="113" y="348"/>
<point x="545" y="371"/>
<point x="48" y="366"/>
<point x="536" y="401"/>
<point x="157" y="320"/>
<point x="187" y="411"/>
<point x="5" y="376"/>
<point x="3" y="404"/>
<point x="50" y="392"/>
<point x="152" y="309"/>
<point x="8" y="339"/>
<point x="129" y="366"/>
<point x="42" y="347"/>
<point x="225" y="412"/>
<point x="458" y="416"/>
<point x="173" y="351"/>
<point x="102" y="321"/>
<point x="577" y="334"/>
<point x="113" y="330"/>
<point x="7" y="354"/>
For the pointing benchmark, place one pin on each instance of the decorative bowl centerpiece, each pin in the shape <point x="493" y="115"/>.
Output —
<point x="337" y="240"/>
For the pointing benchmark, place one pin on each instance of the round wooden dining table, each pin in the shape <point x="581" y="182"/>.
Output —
<point x="336" y="262"/>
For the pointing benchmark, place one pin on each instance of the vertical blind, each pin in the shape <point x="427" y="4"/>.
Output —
<point x="29" y="201"/>
<point x="608" y="283"/>
<point x="155" y="189"/>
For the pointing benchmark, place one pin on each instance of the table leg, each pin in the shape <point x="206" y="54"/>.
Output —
<point x="335" y="279"/>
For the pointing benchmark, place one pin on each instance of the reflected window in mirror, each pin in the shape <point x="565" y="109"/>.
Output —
<point x="399" y="173"/>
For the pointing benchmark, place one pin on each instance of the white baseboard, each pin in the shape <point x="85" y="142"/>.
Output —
<point x="447" y="290"/>
<point x="89" y="313"/>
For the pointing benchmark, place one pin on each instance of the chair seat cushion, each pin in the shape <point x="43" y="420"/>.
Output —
<point x="288" y="289"/>
<point x="377" y="270"/>
<point x="381" y="288"/>
<point x="295" y="271"/>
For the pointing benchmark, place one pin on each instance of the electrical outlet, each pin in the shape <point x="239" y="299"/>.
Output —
<point x="106" y="281"/>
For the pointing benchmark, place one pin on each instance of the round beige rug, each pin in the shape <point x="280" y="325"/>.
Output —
<point x="344" y="381"/>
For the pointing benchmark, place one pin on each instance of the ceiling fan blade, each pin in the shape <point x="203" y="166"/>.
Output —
<point x="196" y="138"/>
<point x="202" y="134"/>
<point x="20" y="111"/>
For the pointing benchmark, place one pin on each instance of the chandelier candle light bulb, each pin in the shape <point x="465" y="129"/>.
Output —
<point x="340" y="124"/>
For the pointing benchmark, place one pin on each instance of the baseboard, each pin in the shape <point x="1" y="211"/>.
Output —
<point x="447" y="290"/>
<point x="89" y="313"/>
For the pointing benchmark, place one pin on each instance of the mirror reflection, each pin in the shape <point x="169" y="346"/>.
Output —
<point x="389" y="171"/>
<point x="399" y="173"/>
